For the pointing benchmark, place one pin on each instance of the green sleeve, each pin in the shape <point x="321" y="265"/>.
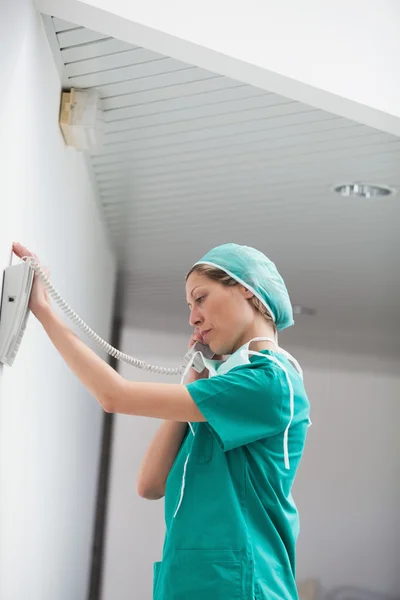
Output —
<point x="244" y="405"/>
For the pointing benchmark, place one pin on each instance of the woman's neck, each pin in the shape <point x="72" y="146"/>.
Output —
<point x="258" y="330"/>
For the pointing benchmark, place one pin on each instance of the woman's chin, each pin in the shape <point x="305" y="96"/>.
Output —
<point x="215" y="349"/>
<point x="221" y="350"/>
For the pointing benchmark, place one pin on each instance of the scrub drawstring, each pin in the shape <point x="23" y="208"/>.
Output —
<point x="186" y="371"/>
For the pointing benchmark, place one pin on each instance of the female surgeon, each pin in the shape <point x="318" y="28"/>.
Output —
<point x="227" y="452"/>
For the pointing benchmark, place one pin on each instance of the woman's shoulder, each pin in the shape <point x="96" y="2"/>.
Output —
<point x="279" y="368"/>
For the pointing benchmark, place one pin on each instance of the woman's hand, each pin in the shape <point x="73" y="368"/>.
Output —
<point x="39" y="300"/>
<point x="193" y="374"/>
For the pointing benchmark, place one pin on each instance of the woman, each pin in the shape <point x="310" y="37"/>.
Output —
<point x="227" y="477"/>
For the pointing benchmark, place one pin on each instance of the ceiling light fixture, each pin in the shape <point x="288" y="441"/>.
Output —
<point x="363" y="190"/>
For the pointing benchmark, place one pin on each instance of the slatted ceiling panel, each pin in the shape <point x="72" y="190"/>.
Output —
<point x="389" y="157"/>
<point x="200" y="127"/>
<point x="97" y="49"/>
<point x="220" y="110"/>
<point x="206" y="163"/>
<point x="183" y="108"/>
<point x="175" y="195"/>
<point x="343" y="168"/>
<point x="193" y="159"/>
<point x="171" y="163"/>
<point x="212" y="182"/>
<point x="274" y="156"/>
<point x="60" y="25"/>
<point x="184" y="92"/>
<point x="337" y="231"/>
<point x="154" y="83"/>
<point x="231" y="143"/>
<point x="313" y="194"/>
<point x="189" y="139"/>
<point x="122" y="74"/>
<point x="147" y="212"/>
<point x="239" y="174"/>
<point x="269" y="171"/>
<point x="242" y="177"/>
<point x="271" y="203"/>
<point x="268" y="163"/>
<point x="312" y="206"/>
<point x="257" y="147"/>
<point x="75" y="37"/>
<point x="109" y="62"/>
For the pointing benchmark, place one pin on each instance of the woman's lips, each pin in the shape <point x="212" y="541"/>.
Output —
<point x="204" y="334"/>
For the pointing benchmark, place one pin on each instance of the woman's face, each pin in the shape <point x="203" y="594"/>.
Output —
<point x="222" y="314"/>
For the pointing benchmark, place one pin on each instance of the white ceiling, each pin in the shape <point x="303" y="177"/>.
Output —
<point x="193" y="159"/>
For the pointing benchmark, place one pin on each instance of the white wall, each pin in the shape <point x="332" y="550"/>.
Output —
<point x="338" y="56"/>
<point x="50" y="427"/>
<point x="347" y="489"/>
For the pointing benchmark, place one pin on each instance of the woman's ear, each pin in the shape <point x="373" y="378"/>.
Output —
<point x="246" y="293"/>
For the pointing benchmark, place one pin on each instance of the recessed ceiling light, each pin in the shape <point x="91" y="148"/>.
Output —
<point x="363" y="190"/>
<point x="303" y="310"/>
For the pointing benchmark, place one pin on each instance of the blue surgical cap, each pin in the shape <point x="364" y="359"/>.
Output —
<point x="252" y="269"/>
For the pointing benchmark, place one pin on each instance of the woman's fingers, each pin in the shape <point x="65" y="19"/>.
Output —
<point x="21" y="251"/>
<point x="195" y="337"/>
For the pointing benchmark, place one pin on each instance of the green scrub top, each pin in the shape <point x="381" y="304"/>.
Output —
<point x="234" y="535"/>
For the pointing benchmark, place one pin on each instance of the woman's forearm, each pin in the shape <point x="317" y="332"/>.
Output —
<point x="161" y="454"/>
<point x="168" y="401"/>
<point x="159" y="458"/>
<point x="96" y="375"/>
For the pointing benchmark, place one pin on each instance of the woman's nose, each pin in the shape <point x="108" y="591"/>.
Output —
<point x="194" y="319"/>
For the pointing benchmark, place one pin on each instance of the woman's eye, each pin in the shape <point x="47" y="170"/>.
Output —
<point x="200" y="300"/>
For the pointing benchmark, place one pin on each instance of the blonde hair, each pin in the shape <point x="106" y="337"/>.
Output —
<point x="218" y="275"/>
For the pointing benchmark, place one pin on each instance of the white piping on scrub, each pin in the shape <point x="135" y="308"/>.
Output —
<point x="186" y="371"/>
<point x="291" y="395"/>
<point x="291" y="391"/>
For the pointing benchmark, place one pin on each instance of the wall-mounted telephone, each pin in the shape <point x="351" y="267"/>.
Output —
<point x="17" y="285"/>
<point x="14" y="313"/>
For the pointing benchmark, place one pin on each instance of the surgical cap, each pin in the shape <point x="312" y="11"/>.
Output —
<point x="252" y="269"/>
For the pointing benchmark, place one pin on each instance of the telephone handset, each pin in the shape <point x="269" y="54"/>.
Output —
<point x="198" y="364"/>
<point x="14" y="313"/>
